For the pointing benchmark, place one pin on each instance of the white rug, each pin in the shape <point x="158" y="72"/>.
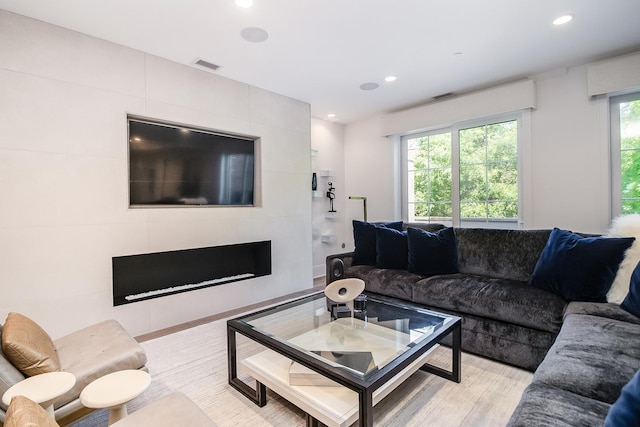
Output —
<point x="194" y="361"/>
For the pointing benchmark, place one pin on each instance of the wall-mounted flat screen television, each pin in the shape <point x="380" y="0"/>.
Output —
<point x="182" y="165"/>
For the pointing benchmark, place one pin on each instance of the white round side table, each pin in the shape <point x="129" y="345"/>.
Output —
<point x="114" y="390"/>
<point x="44" y="389"/>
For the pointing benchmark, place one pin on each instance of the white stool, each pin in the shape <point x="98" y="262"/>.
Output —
<point x="114" y="390"/>
<point x="44" y="389"/>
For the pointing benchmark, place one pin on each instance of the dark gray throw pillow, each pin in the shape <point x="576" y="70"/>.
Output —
<point x="579" y="268"/>
<point x="432" y="253"/>
<point x="391" y="248"/>
<point x="364" y="237"/>
<point x="631" y="302"/>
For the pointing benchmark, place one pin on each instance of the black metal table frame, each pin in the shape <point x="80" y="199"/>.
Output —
<point x="364" y="388"/>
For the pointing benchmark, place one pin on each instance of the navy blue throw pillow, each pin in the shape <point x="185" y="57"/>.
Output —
<point x="579" y="268"/>
<point x="625" y="412"/>
<point x="391" y="248"/>
<point x="432" y="253"/>
<point x="364" y="237"/>
<point x="631" y="302"/>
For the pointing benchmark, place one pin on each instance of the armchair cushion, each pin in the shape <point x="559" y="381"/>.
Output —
<point x="95" y="351"/>
<point x="25" y="412"/>
<point x="28" y="347"/>
<point x="175" y="409"/>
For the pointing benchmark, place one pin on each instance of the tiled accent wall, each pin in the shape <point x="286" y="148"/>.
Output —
<point x="63" y="179"/>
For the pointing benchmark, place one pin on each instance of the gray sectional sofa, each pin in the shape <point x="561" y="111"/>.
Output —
<point x="582" y="353"/>
<point x="596" y="353"/>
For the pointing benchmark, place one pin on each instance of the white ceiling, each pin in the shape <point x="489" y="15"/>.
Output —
<point x="321" y="51"/>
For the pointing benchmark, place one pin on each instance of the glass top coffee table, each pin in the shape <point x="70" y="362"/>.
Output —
<point x="310" y="348"/>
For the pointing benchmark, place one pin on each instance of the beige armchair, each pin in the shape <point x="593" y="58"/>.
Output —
<point x="88" y="353"/>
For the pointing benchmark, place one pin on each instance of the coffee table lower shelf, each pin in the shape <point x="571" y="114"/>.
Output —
<point x="335" y="406"/>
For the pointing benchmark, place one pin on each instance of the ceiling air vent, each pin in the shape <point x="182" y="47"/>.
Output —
<point x="444" y="95"/>
<point x="207" y="65"/>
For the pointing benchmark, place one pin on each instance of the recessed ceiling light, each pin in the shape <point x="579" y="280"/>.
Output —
<point x="244" y="3"/>
<point x="331" y="115"/>
<point x="369" y="86"/>
<point x="254" y="34"/>
<point x="390" y="78"/>
<point x="562" y="19"/>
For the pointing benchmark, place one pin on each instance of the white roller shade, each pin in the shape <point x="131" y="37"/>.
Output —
<point x="498" y="100"/>
<point x="614" y="75"/>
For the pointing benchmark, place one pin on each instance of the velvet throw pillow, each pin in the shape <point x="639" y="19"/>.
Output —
<point x="432" y="253"/>
<point x="579" y="268"/>
<point x="626" y="410"/>
<point x="364" y="237"/>
<point x="391" y="248"/>
<point x="631" y="302"/>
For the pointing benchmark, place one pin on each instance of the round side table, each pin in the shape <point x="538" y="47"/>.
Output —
<point x="114" y="390"/>
<point x="44" y="389"/>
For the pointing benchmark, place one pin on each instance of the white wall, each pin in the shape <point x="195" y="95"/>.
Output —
<point x="327" y="141"/>
<point x="63" y="179"/>
<point x="370" y="170"/>
<point x="569" y="156"/>
<point x="567" y="163"/>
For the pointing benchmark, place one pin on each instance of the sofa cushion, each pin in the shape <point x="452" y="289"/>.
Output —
<point x="601" y="309"/>
<point x="24" y="412"/>
<point x="626" y="410"/>
<point x="393" y="283"/>
<point x="631" y="302"/>
<point x="505" y="300"/>
<point x="96" y="351"/>
<point x="508" y="343"/>
<point x="27" y="346"/>
<point x="593" y="356"/>
<point x="503" y="254"/>
<point x="364" y="237"/>
<point x="579" y="268"/>
<point x="391" y="248"/>
<point x="543" y="405"/>
<point x="432" y="253"/>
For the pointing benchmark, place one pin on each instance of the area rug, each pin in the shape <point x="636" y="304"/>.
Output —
<point x="194" y="361"/>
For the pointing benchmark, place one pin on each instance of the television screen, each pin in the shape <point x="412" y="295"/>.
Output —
<point x="177" y="165"/>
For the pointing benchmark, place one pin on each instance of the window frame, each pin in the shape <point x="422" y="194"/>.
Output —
<point x="454" y="129"/>
<point x="616" y="147"/>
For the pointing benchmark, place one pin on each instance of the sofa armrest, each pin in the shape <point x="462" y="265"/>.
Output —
<point x="9" y="375"/>
<point x="600" y="309"/>
<point x="347" y="259"/>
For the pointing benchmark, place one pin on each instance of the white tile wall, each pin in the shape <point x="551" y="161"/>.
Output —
<point x="63" y="179"/>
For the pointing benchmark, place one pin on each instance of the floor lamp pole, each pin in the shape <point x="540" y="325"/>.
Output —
<point x="364" y="204"/>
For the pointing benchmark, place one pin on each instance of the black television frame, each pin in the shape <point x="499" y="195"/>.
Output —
<point x="175" y="126"/>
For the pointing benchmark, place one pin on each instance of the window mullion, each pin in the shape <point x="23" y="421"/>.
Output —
<point x="455" y="176"/>
<point x="616" y="166"/>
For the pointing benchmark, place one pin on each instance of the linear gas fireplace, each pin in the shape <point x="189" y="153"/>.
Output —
<point x="146" y="276"/>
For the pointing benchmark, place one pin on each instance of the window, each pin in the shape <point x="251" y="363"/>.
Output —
<point x="463" y="175"/>
<point x="625" y="147"/>
<point x="489" y="172"/>
<point x="429" y="176"/>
